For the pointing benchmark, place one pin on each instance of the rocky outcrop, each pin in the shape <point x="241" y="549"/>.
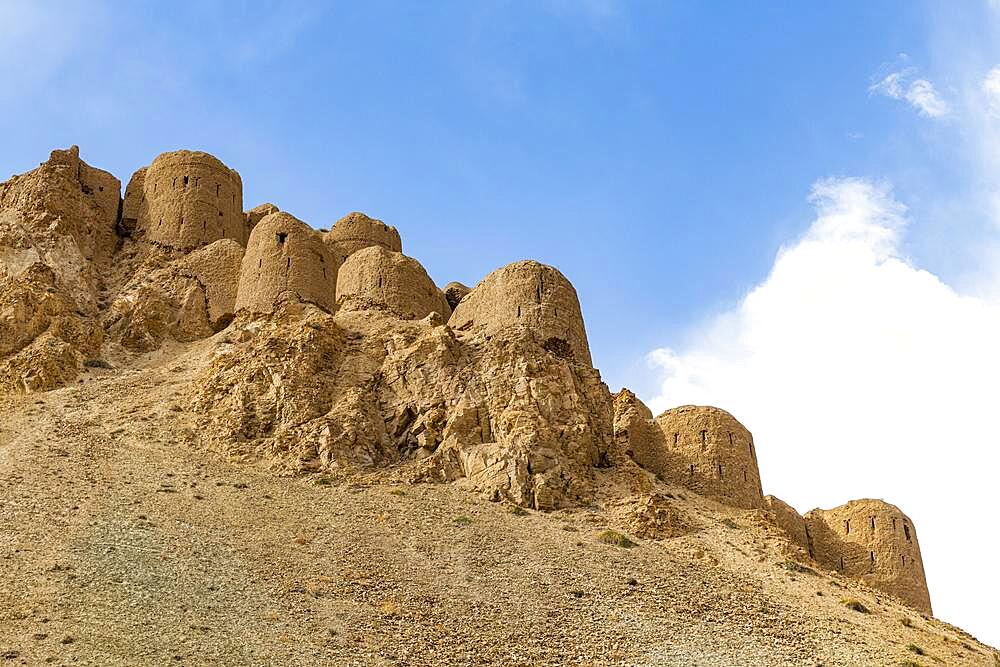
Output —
<point x="334" y="351"/>
<point x="57" y="237"/>
<point x="286" y="258"/>
<point x="454" y="292"/>
<point x="190" y="298"/>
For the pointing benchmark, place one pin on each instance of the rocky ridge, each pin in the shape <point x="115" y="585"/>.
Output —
<point x="335" y="355"/>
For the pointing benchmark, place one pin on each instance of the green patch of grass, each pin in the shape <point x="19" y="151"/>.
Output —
<point x="517" y="510"/>
<point x="792" y="566"/>
<point x="856" y="605"/>
<point x="462" y="520"/>
<point x="397" y="492"/>
<point x="615" y="538"/>
<point x="323" y="480"/>
<point x="913" y="648"/>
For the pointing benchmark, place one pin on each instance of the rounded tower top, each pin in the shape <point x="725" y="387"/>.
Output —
<point x="285" y="257"/>
<point x="356" y="231"/>
<point x="529" y="294"/>
<point x="185" y="200"/>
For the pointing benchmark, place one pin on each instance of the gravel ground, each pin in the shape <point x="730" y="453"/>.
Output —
<point x="123" y="542"/>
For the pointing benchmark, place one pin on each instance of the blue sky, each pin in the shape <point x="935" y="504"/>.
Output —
<point x="711" y="177"/>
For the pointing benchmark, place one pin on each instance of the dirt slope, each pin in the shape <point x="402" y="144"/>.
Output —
<point x="123" y="540"/>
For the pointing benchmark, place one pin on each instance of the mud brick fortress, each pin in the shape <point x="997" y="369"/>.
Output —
<point x="336" y="349"/>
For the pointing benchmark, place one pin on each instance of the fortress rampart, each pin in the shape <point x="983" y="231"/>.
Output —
<point x="873" y="541"/>
<point x="286" y="257"/>
<point x="531" y="295"/>
<point x="185" y="200"/>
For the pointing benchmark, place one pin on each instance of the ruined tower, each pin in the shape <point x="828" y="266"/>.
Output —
<point x="873" y="541"/>
<point x="185" y="200"/>
<point x="356" y="231"/>
<point x="531" y="295"/>
<point x="285" y="257"/>
<point x="374" y="278"/>
<point x="712" y="454"/>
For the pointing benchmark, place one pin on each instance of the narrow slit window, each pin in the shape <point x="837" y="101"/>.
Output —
<point x="281" y="237"/>
<point x="872" y="520"/>
<point x="847" y="526"/>
<point x="704" y="437"/>
<point x="691" y="470"/>
<point x="841" y="563"/>
<point x="720" y="471"/>
<point x="906" y="532"/>
<point x="677" y="438"/>
<point x="185" y="181"/>
<point x="216" y="189"/>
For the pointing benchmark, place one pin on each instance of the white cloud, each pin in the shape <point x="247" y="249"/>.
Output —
<point x="991" y="89"/>
<point x="920" y="93"/>
<point x="862" y="375"/>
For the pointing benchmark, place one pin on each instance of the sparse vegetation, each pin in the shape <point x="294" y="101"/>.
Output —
<point x="397" y="492"/>
<point x="913" y="648"/>
<point x="615" y="538"/>
<point x="462" y="520"/>
<point x="96" y="363"/>
<point x="323" y="480"/>
<point x="793" y="566"/>
<point x="856" y="605"/>
<point x="517" y="510"/>
<point x="906" y="621"/>
<point x="729" y="523"/>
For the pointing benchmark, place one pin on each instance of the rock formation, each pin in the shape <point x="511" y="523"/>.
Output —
<point x="334" y="351"/>
<point x="285" y="257"/>
<point x="873" y="541"/>
<point x="454" y="292"/>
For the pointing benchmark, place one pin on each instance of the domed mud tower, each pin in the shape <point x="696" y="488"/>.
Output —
<point x="710" y="453"/>
<point x="873" y="541"/>
<point x="286" y="258"/>
<point x="356" y="231"/>
<point x="185" y="200"/>
<point x="374" y="278"/>
<point x="531" y="295"/>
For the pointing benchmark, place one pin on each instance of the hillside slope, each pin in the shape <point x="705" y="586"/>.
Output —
<point x="124" y="542"/>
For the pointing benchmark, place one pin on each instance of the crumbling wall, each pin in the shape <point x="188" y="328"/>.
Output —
<point x="874" y="541"/>
<point x="286" y="258"/>
<point x="185" y="200"/>
<point x="531" y="295"/>
<point x="374" y="278"/>
<point x="69" y="197"/>
<point x="789" y="520"/>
